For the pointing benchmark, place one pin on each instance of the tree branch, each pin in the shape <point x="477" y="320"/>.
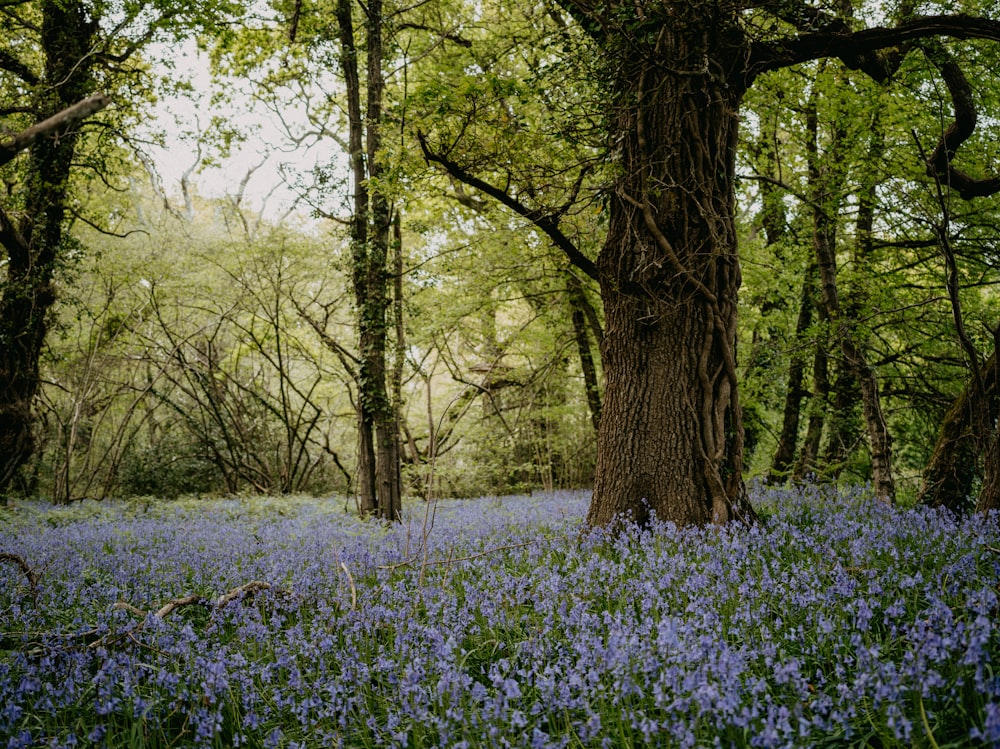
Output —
<point x="585" y="14"/>
<point x="458" y="39"/>
<point x="12" y="65"/>
<point x="939" y="163"/>
<point x="866" y="49"/>
<point x="64" y="119"/>
<point x="25" y="568"/>
<point x="546" y="222"/>
<point x="10" y="238"/>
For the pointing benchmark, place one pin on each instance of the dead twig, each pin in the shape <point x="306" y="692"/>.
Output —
<point x="354" y="590"/>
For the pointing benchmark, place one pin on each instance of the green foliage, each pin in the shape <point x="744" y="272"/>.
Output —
<point x="492" y="392"/>
<point x="167" y="469"/>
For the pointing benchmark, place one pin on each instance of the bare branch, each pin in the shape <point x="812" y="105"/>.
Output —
<point x="548" y="223"/>
<point x="939" y="163"/>
<point x="458" y="39"/>
<point x="12" y="65"/>
<point x="64" y="119"/>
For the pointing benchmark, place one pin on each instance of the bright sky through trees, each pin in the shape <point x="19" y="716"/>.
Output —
<point x="226" y="144"/>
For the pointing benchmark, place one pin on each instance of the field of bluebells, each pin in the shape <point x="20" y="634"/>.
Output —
<point x="494" y="623"/>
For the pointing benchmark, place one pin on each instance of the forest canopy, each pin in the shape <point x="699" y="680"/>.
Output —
<point x="656" y="249"/>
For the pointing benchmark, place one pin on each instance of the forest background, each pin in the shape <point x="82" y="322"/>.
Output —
<point x="413" y="323"/>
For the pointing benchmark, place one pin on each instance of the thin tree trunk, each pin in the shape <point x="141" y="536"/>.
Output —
<point x="579" y="320"/>
<point x="399" y="355"/>
<point x="843" y="421"/>
<point x="375" y="307"/>
<point x="878" y="428"/>
<point x="359" y="241"/>
<point x="808" y="461"/>
<point x="826" y="184"/>
<point x="784" y="454"/>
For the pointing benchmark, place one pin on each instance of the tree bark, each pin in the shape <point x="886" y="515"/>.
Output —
<point x="671" y="438"/>
<point x="989" y="494"/>
<point x="34" y="248"/>
<point x="951" y="469"/>
<point x="378" y="429"/>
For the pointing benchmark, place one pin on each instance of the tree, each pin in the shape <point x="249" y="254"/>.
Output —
<point x="671" y="438"/>
<point x="34" y="244"/>
<point x="57" y="55"/>
<point x="370" y="226"/>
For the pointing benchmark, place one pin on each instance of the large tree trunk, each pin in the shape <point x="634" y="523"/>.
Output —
<point x="34" y="248"/>
<point x="671" y="438"/>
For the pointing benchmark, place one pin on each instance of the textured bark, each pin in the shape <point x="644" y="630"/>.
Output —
<point x="951" y="469"/>
<point x="35" y="247"/>
<point x="671" y="439"/>
<point x="989" y="494"/>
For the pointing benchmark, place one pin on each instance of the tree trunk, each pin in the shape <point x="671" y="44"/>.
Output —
<point x="826" y="183"/>
<point x="671" y="438"/>
<point x="855" y="347"/>
<point x="808" y="460"/>
<point x="951" y="469"/>
<point x="371" y="222"/>
<point x="989" y="494"/>
<point x="784" y="454"/>
<point x="579" y="319"/>
<point x="34" y="249"/>
<point x="843" y="421"/>
<point x="376" y="305"/>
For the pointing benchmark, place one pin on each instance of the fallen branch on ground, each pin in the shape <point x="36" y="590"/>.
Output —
<point x="237" y="593"/>
<point x="26" y="569"/>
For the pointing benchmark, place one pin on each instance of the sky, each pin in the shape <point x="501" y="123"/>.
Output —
<point x="265" y="153"/>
